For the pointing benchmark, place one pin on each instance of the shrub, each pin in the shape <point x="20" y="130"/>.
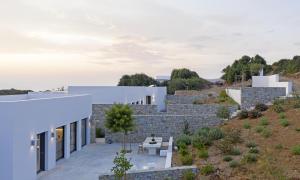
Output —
<point x="183" y="139"/>
<point x="223" y="112"/>
<point x="266" y="133"/>
<point x="264" y="121"/>
<point x="254" y="114"/>
<point x="186" y="159"/>
<point x="296" y="150"/>
<point x="243" y="114"/>
<point x="223" y="96"/>
<point x="235" y="152"/>
<point x="284" y="122"/>
<point x="234" y="164"/>
<point x="197" y="142"/>
<point x="183" y="151"/>
<point x="254" y="150"/>
<point x="225" y="146"/>
<point x="215" y="134"/>
<point x="279" y="146"/>
<point x="227" y="158"/>
<point x="261" y="107"/>
<point x="259" y="129"/>
<point x="246" y="125"/>
<point x="203" y="153"/>
<point x="282" y="115"/>
<point x="278" y="108"/>
<point x="251" y="144"/>
<point x="234" y="136"/>
<point x="278" y="102"/>
<point x="208" y="169"/>
<point x="249" y="158"/>
<point x="189" y="175"/>
<point x="203" y="131"/>
<point x="297" y="129"/>
<point x="100" y="133"/>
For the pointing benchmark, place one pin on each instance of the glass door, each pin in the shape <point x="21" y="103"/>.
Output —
<point x="40" y="152"/>
<point x="60" y="143"/>
<point x="73" y="135"/>
<point x="83" y="132"/>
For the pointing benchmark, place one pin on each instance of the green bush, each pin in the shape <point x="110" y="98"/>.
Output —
<point x="215" y="134"/>
<point x="296" y="150"/>
<point x="186" y="160"/>
<point x="235" y="152"/>
<point x="250" y="158"/>
<point x="243" y="114"/>
<point x="227" y="158"/>
<point x="234" y="136"/>
<point x="254" y="114"/>
<point x="223" y="112"/>
<point x="251" y="144"/>
<point x="264" y="121"/>
<point x="266" y="133"/>
<point x="261" y="107"/>
<point x="254" y="150"/>
<point x="208" y="169"/>
<point x="183" y="151"/>
<point x="282" y="115"/>
<point x="278" y="108"/>
<point x="184" y="139"/>
<point x="203" y="131"/>
<point x="234" y="164"/>
<point x="284" y="122"/>
<point x="246" y="125"/>
<point x="100" y="133"/>
<point x="297" y="129"/>
<point x="225" y="146"/>
<point x="279" y="102"/>
<point x="189" y="175"/>
<point x="203" y="153"/>
<point x="259" y="129"/>
<point x="197" y="142"/>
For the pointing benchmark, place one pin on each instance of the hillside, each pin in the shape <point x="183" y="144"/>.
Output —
<point x="267" y="147"/>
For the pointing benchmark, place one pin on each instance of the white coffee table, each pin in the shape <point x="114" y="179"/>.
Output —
<point x="152" y="147"/>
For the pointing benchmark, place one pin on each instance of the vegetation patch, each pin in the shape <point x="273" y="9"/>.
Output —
<point x="253" y="114"/>
<point x="207" y="169"/>
<point x="247" y="125"/>
<point x="284" y="122"/>
<point x="261" y="107"/>
<point x="227" y="158"/>
<point x="266" y="133"/>
<point x="189" y="175"/>
<point x="249" y="158"/>
<point x="251" y="144"/>
<point x="296" y="150"/>
<point x="234" y="164"/>
<point x="264" y="121"/>
<point x="243" y="114"/>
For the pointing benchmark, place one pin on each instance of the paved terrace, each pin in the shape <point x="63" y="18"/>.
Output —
<point x="96" y="159"/>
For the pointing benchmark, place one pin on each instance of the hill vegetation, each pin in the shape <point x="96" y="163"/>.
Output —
<point x="246" y="67"/>
<point x="13" y="92"/>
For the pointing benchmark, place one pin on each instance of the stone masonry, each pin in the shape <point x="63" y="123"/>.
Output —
<point x="171" y="173"/>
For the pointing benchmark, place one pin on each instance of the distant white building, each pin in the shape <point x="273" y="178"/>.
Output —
<point x="124" y="94"/>
<point x="39" y="129"/>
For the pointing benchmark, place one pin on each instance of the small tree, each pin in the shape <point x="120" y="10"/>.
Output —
<point x="119" y="119"/>
<point x="122" y="165"/>
<point x="223" y="112"/>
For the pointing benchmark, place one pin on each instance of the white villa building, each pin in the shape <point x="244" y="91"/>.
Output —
<point x="39" y="129"/>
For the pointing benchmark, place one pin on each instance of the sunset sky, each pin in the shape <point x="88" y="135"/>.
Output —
<point x="45" y="44"/>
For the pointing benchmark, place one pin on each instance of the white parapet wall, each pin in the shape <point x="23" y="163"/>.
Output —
<point x="271" y="81"/>
<point x="23" y="117"/>
<point x="235" y="94"/>
<point x="123" y="94"/>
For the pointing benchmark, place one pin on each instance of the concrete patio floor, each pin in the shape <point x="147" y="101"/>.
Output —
<point x="96" y="159"/>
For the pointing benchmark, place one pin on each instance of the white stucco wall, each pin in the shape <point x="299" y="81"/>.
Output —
<point x="235" y="94"/>
<point x="271" y="81"/>
<point x="22" y="120"/>
<point x="122" y="94"/>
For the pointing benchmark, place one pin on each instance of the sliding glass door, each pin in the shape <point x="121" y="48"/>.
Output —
<point x="73" y="136"/>
<point x="40" y="152"/>
<point x="83" y="132"/>
<point x="60" y="136"/>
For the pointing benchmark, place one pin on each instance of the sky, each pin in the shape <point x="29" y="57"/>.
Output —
<point x="46" y="44"/>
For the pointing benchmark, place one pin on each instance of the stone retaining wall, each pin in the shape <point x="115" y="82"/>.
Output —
<point x="253" y="95"/>
<point x="170" y="173"/>
<point x="197" y="109"/>
<point x="164" y="126"/>
<point x="173" y="99"/>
